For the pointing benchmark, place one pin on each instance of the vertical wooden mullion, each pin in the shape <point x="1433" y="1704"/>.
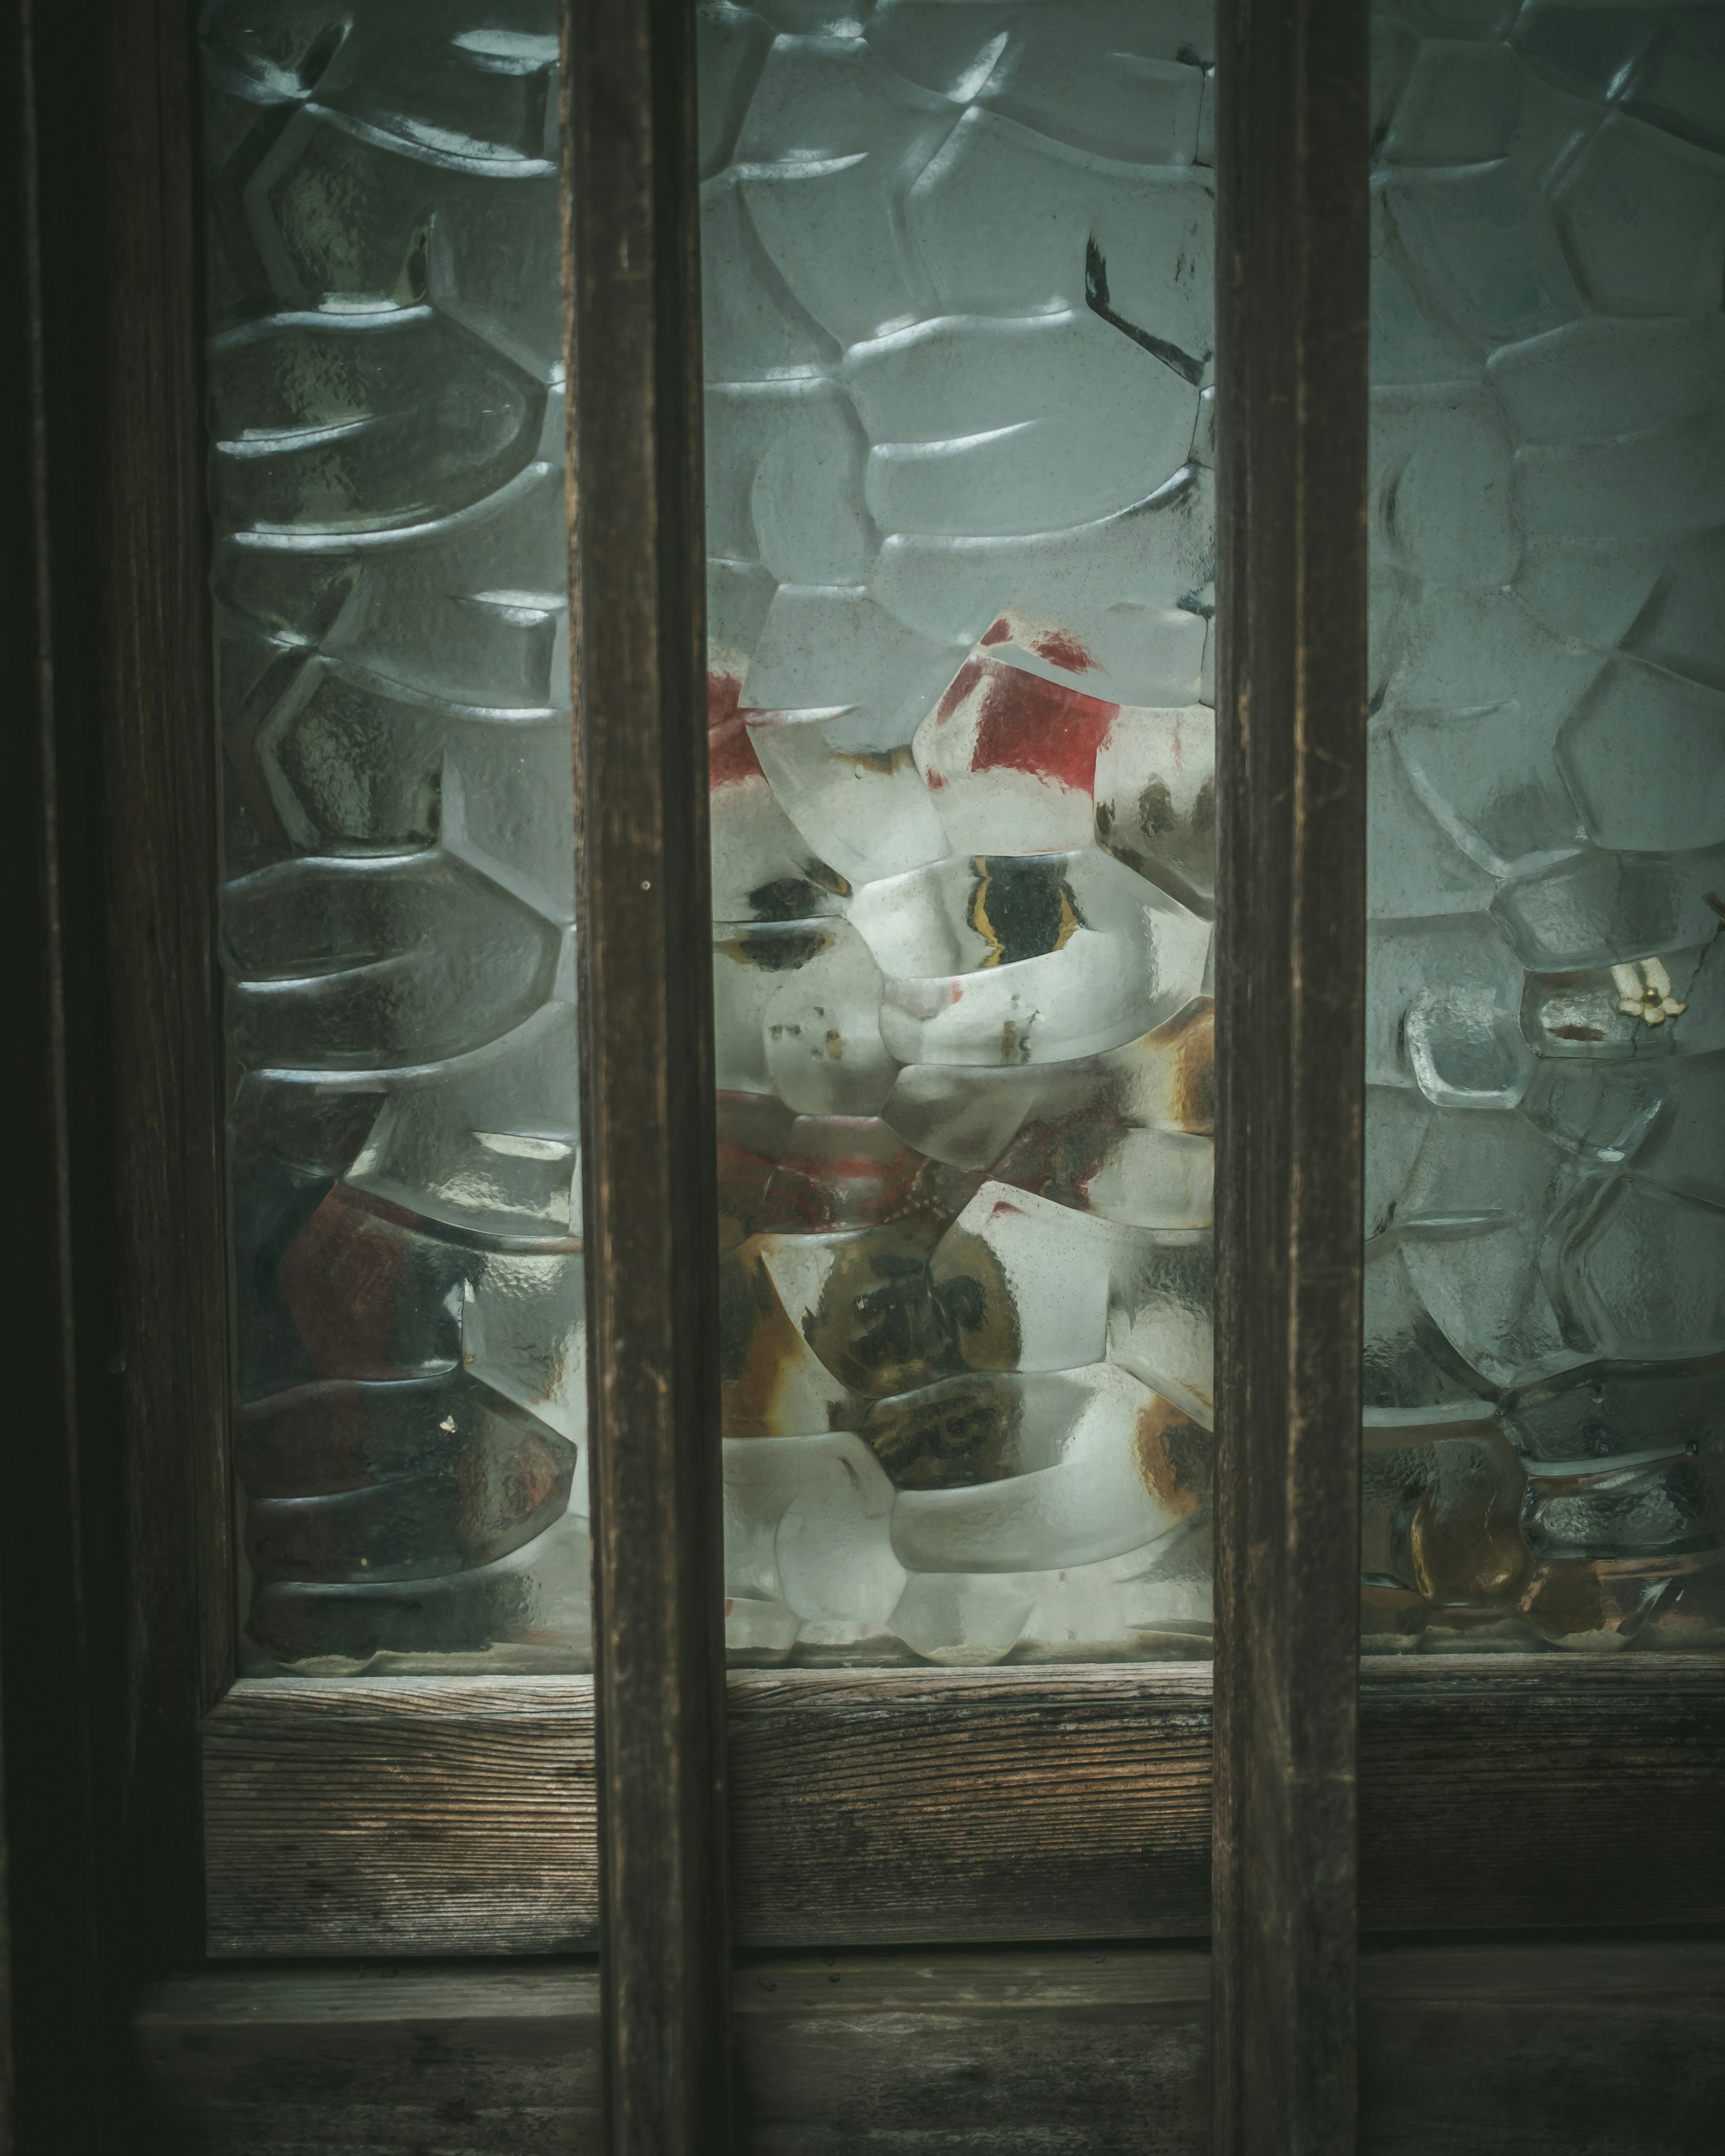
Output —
<point x="49" y="1901"/>
<point x="647" y="1081"/>
<point x="1292" y="299"/>
<point x="114" y="1544"/>
<point x="161" y="850"/>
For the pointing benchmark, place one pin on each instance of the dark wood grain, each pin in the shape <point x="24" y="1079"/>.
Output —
<point x="1080" y="2052"/>
<point x="45" y="1703"/>
<point x="1593" y="2048"/>
<point x="112" y="1513"/>
<point x="647" y="1159"/>
<point x="426" y="1816"/>
<point x="405" y="1816"/>
<point x="886" y="1807"/>
<point x="391" y="2062"/>
<point x="1513" y="2050"/>
<point x="1539" y="1790"/>
<point x="1293" y="296"/>
<point x="170" y="1228"/>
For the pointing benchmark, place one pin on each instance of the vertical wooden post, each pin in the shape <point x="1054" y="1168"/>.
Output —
<point x="114" y="1543"/>
<point x="173" y="1264"/>
<point x="634" y="374"/>
<point x="1292" y="301"/>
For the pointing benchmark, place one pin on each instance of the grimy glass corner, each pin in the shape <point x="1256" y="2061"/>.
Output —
<point x="1545" y="1285"/>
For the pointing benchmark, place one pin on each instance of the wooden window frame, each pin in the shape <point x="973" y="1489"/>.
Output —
<point x="199" y="1817"/>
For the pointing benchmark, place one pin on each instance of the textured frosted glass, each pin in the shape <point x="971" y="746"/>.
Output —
<point x="1545" y="1297"/>
<point x="386" y="401"/>
<point x="958" y="320"/>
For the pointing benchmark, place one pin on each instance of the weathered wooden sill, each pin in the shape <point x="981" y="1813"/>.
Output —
<point x="456" y="1815"/>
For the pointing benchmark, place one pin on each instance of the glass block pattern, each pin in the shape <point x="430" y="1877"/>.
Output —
<point x="959" y="328"/>
<point x="1545" y="1295"/>
<point x="386" y="409"/>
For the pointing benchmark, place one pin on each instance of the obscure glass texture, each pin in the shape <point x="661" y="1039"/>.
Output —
<point x="958" y="313"/>
<point x="1545" y="1299"/>
<point x="386" y="408"/>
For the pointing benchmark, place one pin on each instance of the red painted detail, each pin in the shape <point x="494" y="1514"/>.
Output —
<point x="1059" y="648"/>
<point x="959" y="688"/>
<point x="346" y="1278"/>
<point x="868" y="1178"/>
<point x="730" y="755"/>
<point x="743" y="1175"/>
<point x="998" y="631"/>
<point x="1060" y="1156"/>
<point x="1027" y="724"/>
<point x="724" y="693"/>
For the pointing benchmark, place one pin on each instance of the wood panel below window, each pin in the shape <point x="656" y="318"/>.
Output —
<point x="1503" y="2050"/>
<point x="876" y="1807"/>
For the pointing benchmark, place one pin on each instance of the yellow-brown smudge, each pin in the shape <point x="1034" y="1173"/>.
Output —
<point x="760" y="1350"/>
<point x="1193" y="1034"/>
<point x="1175" y="1457"/>
<point x="1177" y="1064"/>
<point x="884" y="762"/>
<point x="950" y="1436"/>
<point x="1464" y="1541"/>
<point x="1566" y="1599"/>
<point x="531" y="1474"/>
<point x="1567" y="1595"/>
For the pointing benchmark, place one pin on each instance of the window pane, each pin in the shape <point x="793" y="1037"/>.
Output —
<point x="1546" y="1122"/>
<point x="386" y="401"/>
<point x="957" y="318"/>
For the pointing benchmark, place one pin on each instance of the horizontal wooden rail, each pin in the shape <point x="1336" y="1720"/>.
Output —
<point x="1511" y="2049"/>
<point x="456" y="1815"/>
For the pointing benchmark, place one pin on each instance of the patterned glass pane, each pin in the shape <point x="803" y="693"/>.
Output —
<point x="1545" y="1441"/>
<point x="386" y="408"/>
<point x="957" y="319"/>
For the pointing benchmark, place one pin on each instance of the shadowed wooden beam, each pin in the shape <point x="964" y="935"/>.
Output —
<point x="1292" y="297"/>
<point x="647" y="1157"/>
<point x="1508" y="2050"/>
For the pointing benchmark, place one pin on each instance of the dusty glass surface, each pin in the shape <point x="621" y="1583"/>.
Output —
<point x="1545" y="1292"/>
<point x="957" y="319"/>
<point x="386" y="409"/>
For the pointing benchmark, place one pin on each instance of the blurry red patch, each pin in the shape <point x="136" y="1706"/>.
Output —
<point x="724" y="693"/>
<point x="1028" y="724"/>
<point x="730" y="753"/>
<point x="958" y="688"/>
<point x="1060" y="649"/>
<point x="730" y="756"/>
<point x="347" y="1278"/>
